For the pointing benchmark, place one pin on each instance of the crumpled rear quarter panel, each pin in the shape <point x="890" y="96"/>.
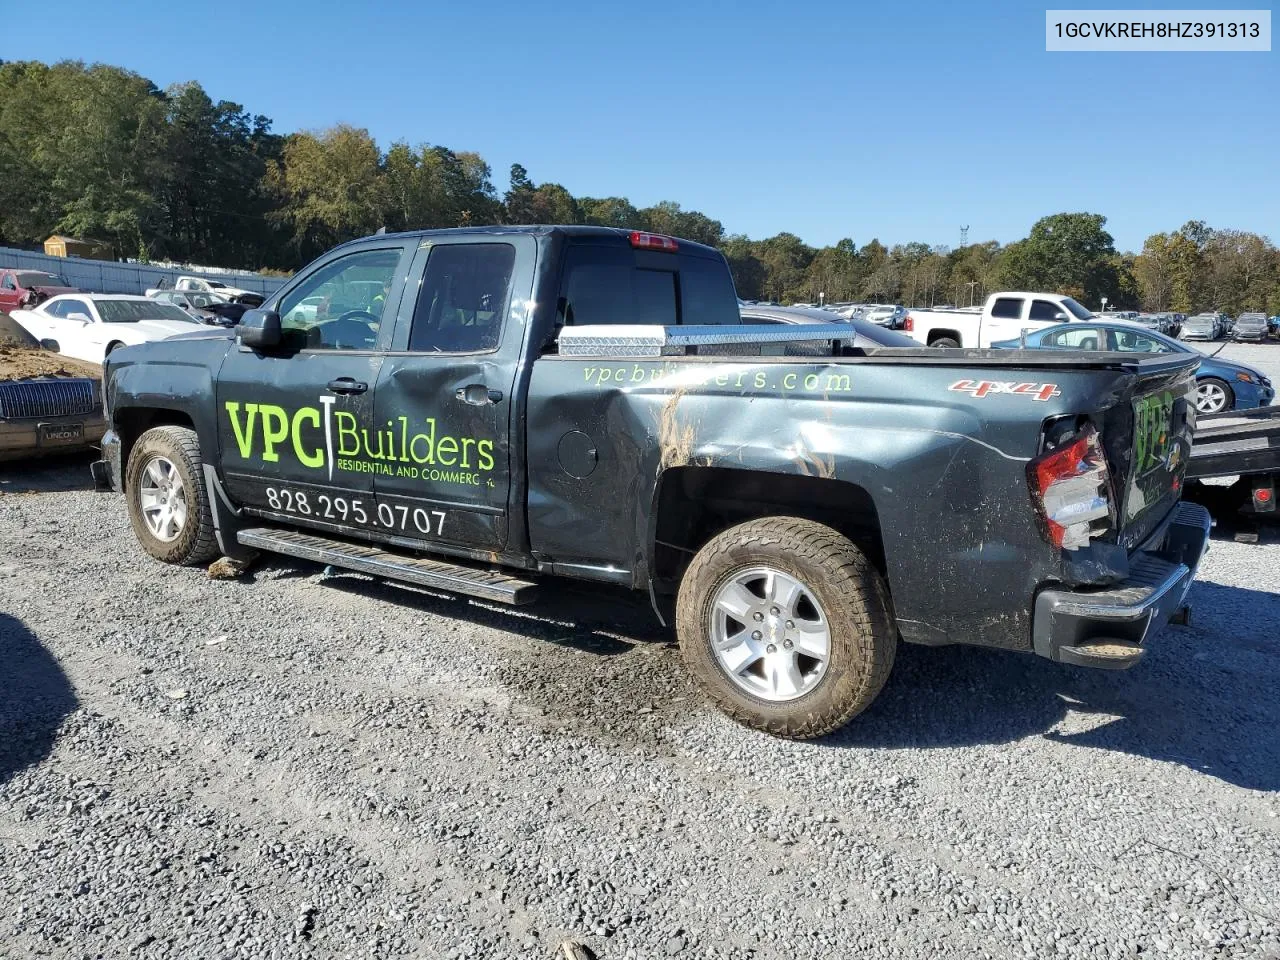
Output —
<point x="944" y="468"/>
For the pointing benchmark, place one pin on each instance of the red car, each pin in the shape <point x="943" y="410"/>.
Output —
<point x="23" y="289"/>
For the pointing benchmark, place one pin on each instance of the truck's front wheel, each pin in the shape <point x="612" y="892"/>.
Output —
<point x="168" y="502"/>
<point x="786" y="626"/>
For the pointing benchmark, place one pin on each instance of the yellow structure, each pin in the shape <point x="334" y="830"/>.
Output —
<point x="60" y="246"/>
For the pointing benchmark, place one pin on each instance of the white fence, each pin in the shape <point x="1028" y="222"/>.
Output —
<point x="108" y="276"/>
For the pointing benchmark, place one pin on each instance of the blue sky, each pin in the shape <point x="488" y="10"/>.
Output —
<point x="894" y="120"/>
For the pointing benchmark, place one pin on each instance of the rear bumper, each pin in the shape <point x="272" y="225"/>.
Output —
<point x="106" y="472"/>
<point x="1109" y="627"/>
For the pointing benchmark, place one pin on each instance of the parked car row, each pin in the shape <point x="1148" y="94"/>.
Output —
<point x="1212" y="325"/>
<point x="1166" y="323"/>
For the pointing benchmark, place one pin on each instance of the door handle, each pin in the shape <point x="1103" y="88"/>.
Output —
<point x="477" y="394"/>
<point x="347" y="385"/>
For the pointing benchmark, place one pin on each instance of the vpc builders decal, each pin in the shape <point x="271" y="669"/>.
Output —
<point x="325" y="439"/>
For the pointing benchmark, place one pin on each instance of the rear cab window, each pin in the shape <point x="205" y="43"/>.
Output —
<point x="1007" y="308"/>
<point x="463" y="298"/>
<point x="614" y="284"/>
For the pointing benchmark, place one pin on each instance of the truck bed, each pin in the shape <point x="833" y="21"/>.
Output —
<point x="1237" y="442"/>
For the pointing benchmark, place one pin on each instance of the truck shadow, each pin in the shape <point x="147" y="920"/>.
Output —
<point x="37" y="697"/>
<point x="1203" y="697"/>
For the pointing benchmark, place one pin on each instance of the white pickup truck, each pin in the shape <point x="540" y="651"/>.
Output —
<point x="1004" y="316"/>
<point x="200" y="285"/>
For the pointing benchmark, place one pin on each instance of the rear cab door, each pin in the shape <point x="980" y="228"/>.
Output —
<point x="585" y="487"/>
<point x="445" y="397"/>
<point x="1003" y="321"/>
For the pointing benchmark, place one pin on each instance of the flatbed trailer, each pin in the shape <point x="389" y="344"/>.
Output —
<point x="1243" y="444"/>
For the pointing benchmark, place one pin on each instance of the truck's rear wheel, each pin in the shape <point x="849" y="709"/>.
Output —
<point x="168" y="502"/>
<point x="786" y="626"/>
<point x="944" y="342"/>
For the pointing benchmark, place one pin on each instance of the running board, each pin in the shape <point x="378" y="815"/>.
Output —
<point x="435" y="574"/>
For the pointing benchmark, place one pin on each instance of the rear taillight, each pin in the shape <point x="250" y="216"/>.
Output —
<point x="1071" y="490"/>
<point x="1264" y="495"/>
<point x="909" y="323"/>
<point x="653" y="241"/>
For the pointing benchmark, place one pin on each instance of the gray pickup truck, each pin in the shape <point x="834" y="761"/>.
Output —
<point x="479" y="410"/>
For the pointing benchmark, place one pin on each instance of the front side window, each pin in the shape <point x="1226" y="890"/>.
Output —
<point x="340" y="306"/>
<point x="1076" y="309"/>
<point x="1044" y="310"/>
<point x="463" y="298"/>
<point x="76" y="306"/>
<point x="7" y="282"/>
<point x="1007" y="308"/>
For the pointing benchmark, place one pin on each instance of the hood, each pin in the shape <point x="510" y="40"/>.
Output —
<point x="160" y="329"/>
<point x="203" y="332"/>
<point x="1216" y="366"/>
<point x="54" y="291"/>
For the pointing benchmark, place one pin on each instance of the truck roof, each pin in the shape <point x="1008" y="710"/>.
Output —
<point x="1027" y="293"/>
<point x="620" y="235"/>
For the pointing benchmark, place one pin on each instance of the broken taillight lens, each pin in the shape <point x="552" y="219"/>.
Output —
<point x="1071" y="490"/>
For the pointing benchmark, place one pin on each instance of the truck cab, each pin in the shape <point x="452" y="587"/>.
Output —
<point x="1003" y="316"/>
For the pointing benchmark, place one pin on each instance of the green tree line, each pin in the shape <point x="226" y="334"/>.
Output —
<point x="102" y="153"/>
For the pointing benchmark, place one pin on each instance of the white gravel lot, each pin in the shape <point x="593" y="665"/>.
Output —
<point x="295" y="767"/>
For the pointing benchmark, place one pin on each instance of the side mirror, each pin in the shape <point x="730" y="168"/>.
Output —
<point x="260" y="329"/>
<point x="1060" y="316"/>
<point x="82" y="317"/>
<point x="48" y="343"/>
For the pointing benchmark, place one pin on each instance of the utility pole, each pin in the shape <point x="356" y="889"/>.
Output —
<point x="971" y="285"/>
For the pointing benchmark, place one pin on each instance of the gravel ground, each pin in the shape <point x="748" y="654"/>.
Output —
<point x="292" y="766"/>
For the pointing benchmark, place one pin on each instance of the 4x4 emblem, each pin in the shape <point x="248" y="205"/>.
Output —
<point x="987" y="388"/>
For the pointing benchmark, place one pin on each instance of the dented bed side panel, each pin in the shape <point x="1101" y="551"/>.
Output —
<point x="943" y="461"/>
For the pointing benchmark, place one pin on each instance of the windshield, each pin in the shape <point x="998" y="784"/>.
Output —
<point x="131" y="311"/>
<point x="36" y="278"/>
<point x="1076" y="310"/>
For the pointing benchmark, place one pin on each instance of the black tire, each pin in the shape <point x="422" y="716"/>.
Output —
<point x="111" y="346"/>
<point x="944" y="342"/>
<point x="1226" y="389"/>
<point x="194" y="543"/>
<point x="851" y="593"/>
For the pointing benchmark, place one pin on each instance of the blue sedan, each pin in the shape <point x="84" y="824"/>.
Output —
<point x="1220" y="384"/>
